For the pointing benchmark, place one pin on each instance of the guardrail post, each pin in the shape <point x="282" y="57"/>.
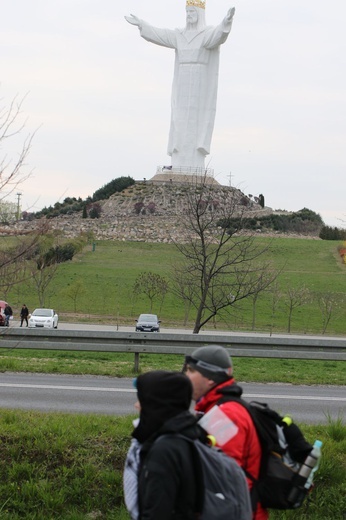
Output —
<point x="136" y="365"/>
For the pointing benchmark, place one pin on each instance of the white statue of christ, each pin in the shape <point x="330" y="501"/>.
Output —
<point x="195" y="81"/>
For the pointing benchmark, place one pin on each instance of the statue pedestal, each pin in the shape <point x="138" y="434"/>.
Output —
<point x="184" y="175"/>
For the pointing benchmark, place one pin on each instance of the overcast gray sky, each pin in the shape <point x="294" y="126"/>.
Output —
<point x="99" y="96"/>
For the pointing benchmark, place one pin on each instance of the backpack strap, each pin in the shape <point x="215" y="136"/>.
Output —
<point x="198" y="471"/>
<point x="258" y="411"/>
<point x="235" y="397"/>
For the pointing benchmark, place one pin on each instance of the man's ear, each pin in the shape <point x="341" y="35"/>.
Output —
<point x="211" y="384"/>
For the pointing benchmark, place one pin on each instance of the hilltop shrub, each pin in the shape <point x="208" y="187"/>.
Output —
<point x="332" y="233"/>
<point x="68" y="206"/>
<point x="138" y="207"/>
<point x="94" y="210"/>
<point x="72" y="205"/>
<point x="151" y="207"/>
<point x="304" y="221"/>
<point x="114" y="186"/>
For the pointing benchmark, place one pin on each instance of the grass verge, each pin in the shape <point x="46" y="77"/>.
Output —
<point x="69" y="467"/>
<point x="259" y="370"/>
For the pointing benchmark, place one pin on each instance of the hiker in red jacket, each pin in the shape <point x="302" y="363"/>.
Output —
<point x="211" y="374"/>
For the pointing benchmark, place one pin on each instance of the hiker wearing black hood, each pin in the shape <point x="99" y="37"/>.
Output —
<point x="166" y="479"/>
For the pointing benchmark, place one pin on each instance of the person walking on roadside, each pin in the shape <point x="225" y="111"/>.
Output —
<point x="210" y="371"/>
<point x="159" y="476"/>
<point x="24" y="313"/>
<point x="8" y="313"/>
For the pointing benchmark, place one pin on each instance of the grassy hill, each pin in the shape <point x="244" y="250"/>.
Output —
<point x="106" y="274"/>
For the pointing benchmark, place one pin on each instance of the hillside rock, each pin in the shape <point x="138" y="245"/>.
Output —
<point x="146" y="211"/>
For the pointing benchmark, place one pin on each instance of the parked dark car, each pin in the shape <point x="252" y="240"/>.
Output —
<point x="148" y="323"/>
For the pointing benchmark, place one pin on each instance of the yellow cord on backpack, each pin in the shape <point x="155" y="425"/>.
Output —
<point x="287" y="420"/>
<point x="212" y="440"/>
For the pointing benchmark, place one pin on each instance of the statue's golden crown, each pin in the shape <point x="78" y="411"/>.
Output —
<point x="195" y="3"/>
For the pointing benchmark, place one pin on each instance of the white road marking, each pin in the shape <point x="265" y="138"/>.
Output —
<point x="55" y="387"/>
<point x="130" y="390"/>
<point x="297" y="397"/>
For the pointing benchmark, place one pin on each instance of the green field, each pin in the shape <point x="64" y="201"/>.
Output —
<point x="108" y="273"/>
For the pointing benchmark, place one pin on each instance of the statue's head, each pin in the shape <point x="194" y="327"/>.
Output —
<point x="195" y="14"/>
<point x="195" y="3"/>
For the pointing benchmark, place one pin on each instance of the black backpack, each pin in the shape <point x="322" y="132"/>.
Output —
<point x="284" y="449"/>
<point x="222" y="490"/>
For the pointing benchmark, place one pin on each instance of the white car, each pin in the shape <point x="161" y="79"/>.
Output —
<point x="44" y="318"/>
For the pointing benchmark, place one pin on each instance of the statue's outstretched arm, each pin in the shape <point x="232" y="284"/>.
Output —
<point x="134" y="20"/>
<point x="229" y="15"/>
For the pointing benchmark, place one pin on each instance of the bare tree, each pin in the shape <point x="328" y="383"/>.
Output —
<point x="276" y="297"/>
<point x="15" y="252"/>
<point x="11" y="275"/>
<point x="221" y="260"/>
<point x="152" y="285"/>
<point x="182" y="286"/>
<point x="13" y="171"/>
<point x="254" y="297"/>
<point x="41" y="279"/>
<point x="50" y="252"/>
<point x="43" y="267"/>
<point x="295" y="297"/>
<point x="74" y="291"/>
<point x="14" y="267"/>
<point x="8" y="212"/>
<point x="329" y="304"/>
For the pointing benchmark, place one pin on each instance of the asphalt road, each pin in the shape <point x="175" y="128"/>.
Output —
<point x="114" y="328"/>
<point x="116" y="396"/>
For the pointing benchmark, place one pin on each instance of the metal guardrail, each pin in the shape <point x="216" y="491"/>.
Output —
<point x="158" y="343"/>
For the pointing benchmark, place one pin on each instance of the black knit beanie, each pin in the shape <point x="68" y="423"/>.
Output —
<point x="162" y="395"/>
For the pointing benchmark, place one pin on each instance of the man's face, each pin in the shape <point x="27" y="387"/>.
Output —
<point x="201" y="385"/>
<point x="191" y="16"/>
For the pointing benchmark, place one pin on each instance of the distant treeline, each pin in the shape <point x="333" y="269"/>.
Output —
<point x="88" y="206"/>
